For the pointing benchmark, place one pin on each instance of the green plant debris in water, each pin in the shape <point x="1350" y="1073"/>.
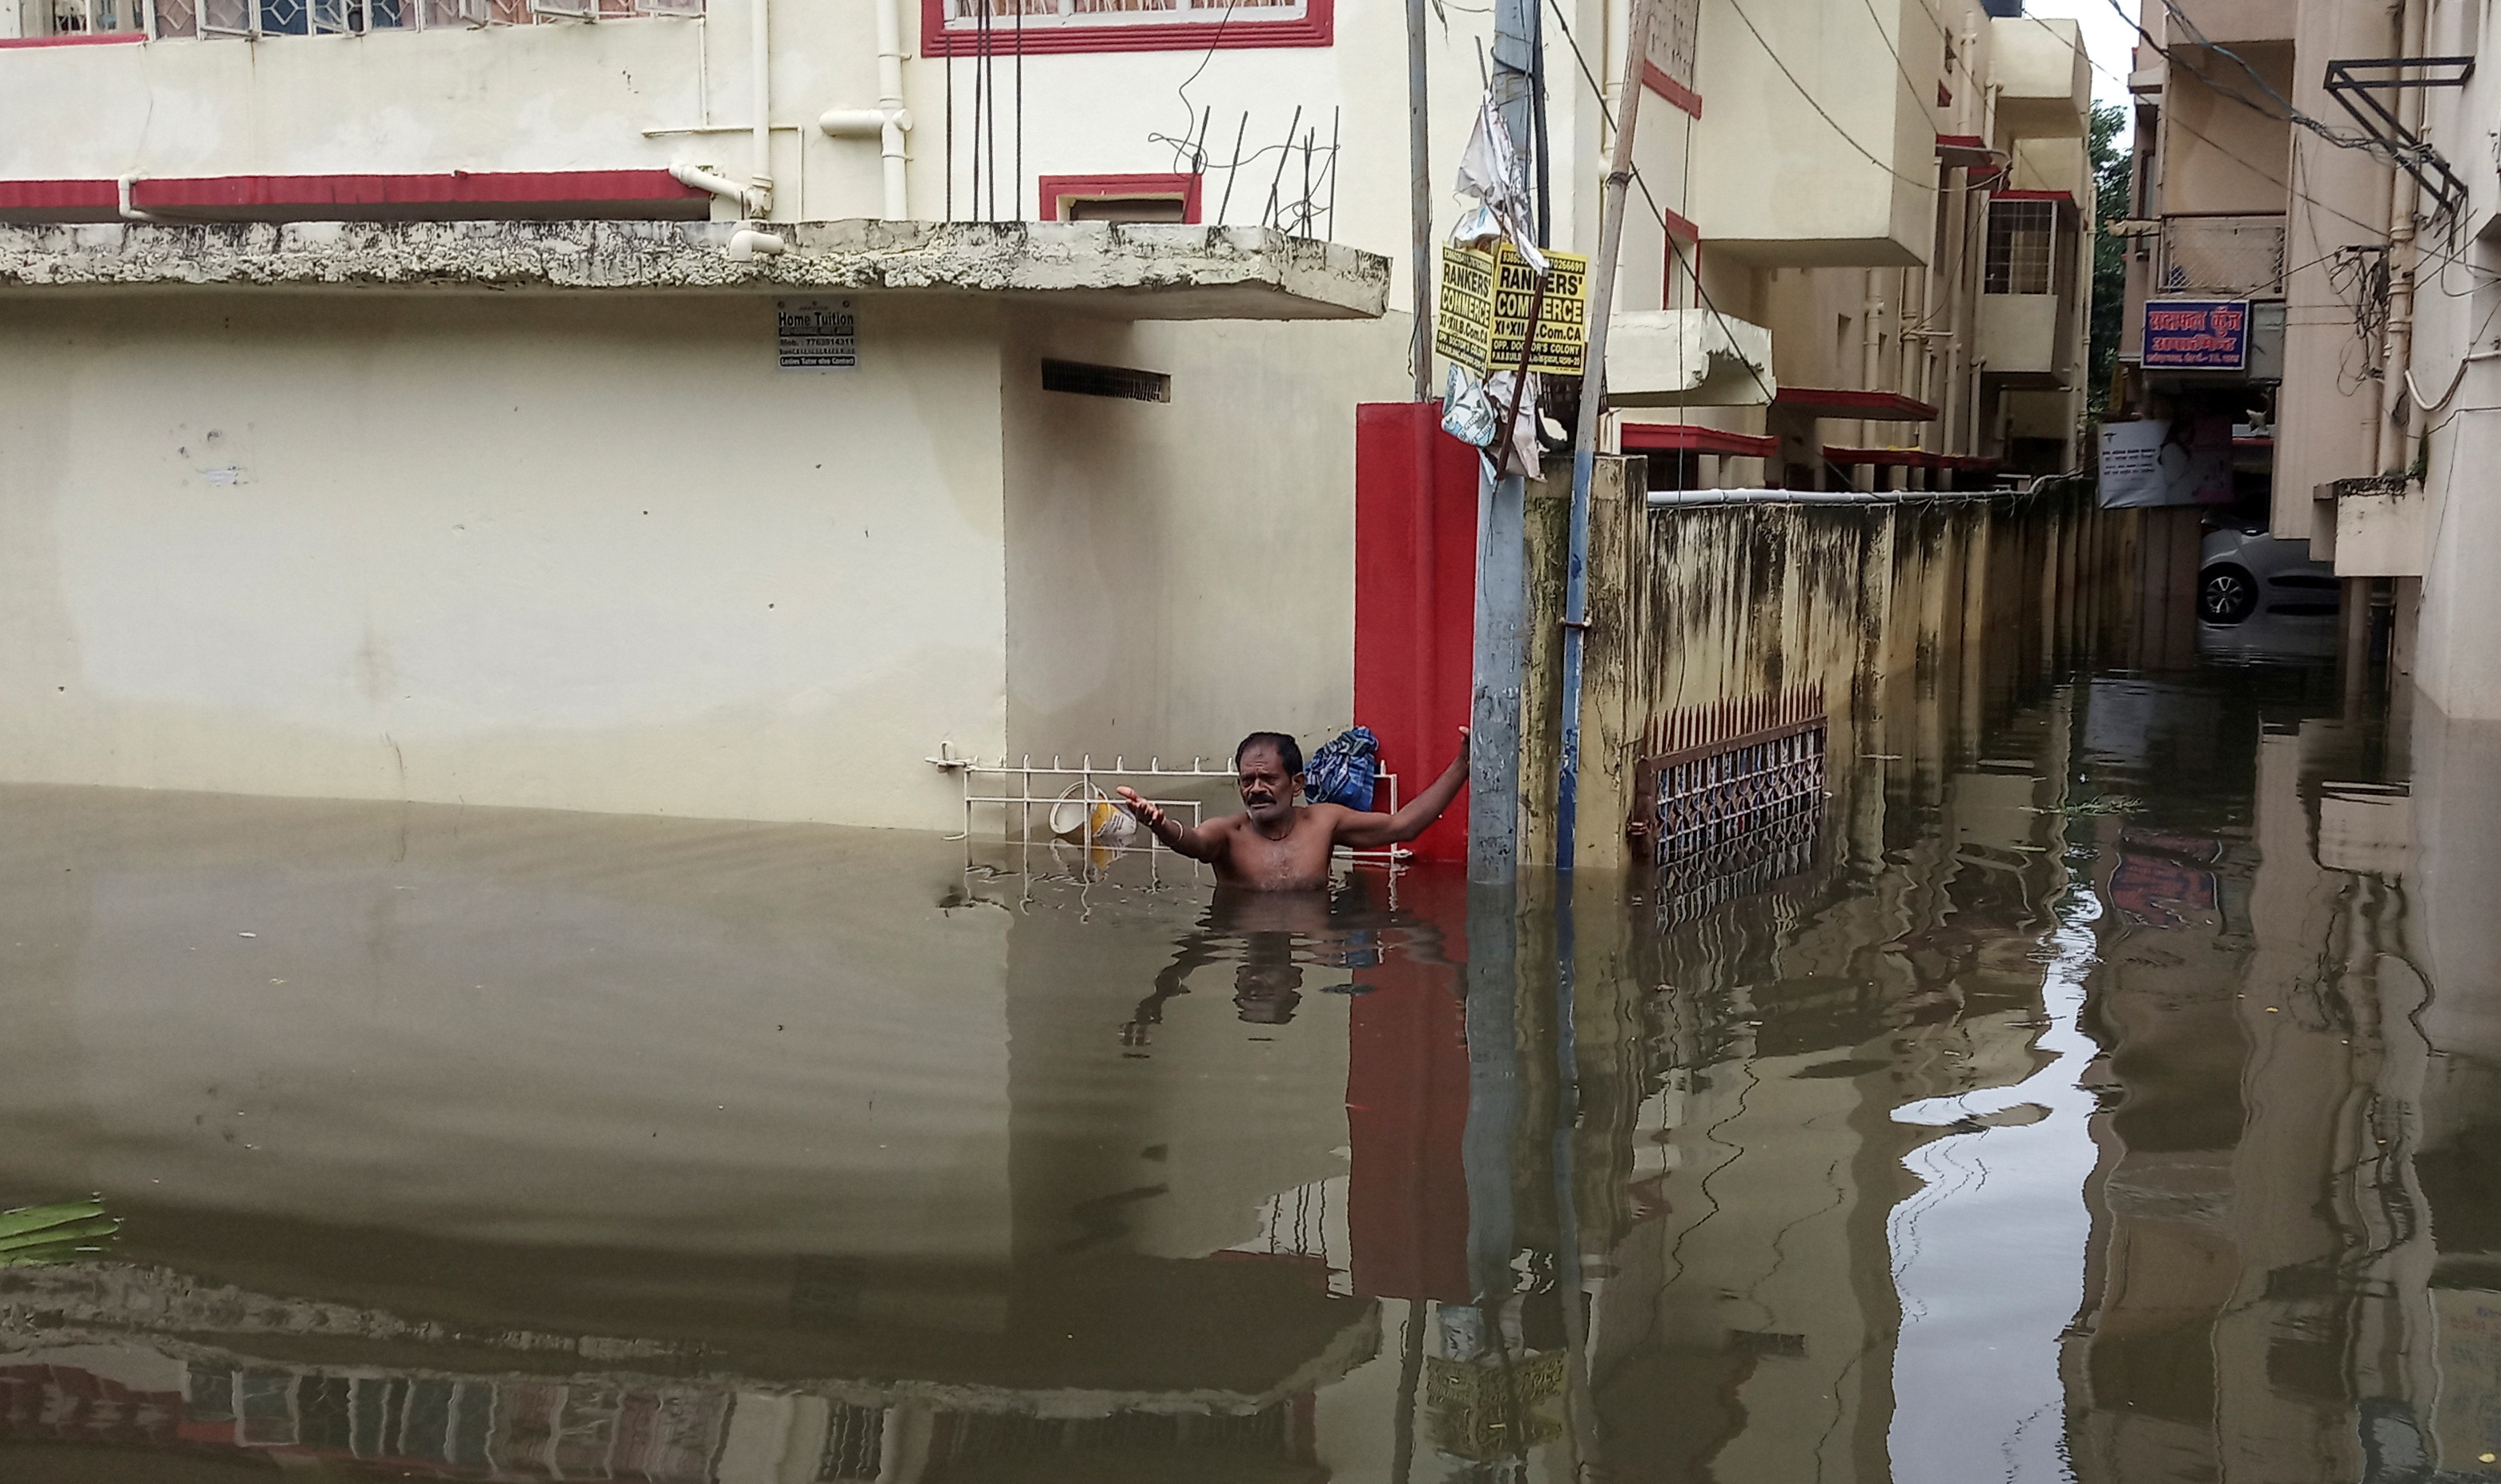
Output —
<point x="60" y="1233"/>
<point x="2107" y="803"/>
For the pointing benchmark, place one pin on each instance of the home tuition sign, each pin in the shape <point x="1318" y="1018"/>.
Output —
<point x="816" y="335"/>
<point x="2196" y="335"/>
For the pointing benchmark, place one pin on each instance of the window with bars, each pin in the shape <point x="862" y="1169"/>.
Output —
<point x="1674" y="28"/>
<point x="2022" y="247"/>
<point x="967" y="18"/>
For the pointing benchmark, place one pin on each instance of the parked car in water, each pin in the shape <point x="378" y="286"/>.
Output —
<point x="2263" y="599"/>
<point x="2243" y="571"/>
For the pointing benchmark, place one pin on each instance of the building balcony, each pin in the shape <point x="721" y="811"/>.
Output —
<point x="2045" y="82"/>
<point x="1803" y="159"/>
<point x="2026" y="331"/>
<point x="2225" y="22"/>
<point x="2024" y="337"/>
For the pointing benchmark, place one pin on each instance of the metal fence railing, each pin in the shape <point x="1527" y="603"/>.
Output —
<point x="2240" y="256"/>
<point x="246" y="19"/>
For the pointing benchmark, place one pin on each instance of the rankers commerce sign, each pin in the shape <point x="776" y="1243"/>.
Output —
<point x="2196" y="335"/>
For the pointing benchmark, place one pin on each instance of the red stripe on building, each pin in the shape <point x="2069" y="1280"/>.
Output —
<point x="108" y="39"/>
<point x="1692" y="438"/>
<point x="1671" y="89"/>
<point x="449" y="196"/>
<point x="453" y="194"/>
<point x="60" y="200"/>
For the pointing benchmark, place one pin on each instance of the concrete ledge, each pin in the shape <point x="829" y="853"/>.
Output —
<point x="1135" y="271"/>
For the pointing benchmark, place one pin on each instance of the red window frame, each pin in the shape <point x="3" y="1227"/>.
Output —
<point x="1053" y="190"/>
<point x="1678" y="230"/>
<point x="1670" y="88"/>
<point x="1318" y="27"/>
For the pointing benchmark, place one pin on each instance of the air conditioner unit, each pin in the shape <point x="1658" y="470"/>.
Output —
<point x="470" y="13"/>
<point x="566" y="10"/>
<point x="683" y="8"/>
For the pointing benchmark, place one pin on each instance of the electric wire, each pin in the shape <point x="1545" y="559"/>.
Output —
<point x="2242" y="160"/>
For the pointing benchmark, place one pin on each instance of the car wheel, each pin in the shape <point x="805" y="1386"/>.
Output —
<point x="2226" y="595"/>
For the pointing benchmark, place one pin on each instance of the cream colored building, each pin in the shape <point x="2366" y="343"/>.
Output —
<point x="2371" y="288"/>
<point x="396" y="402"/>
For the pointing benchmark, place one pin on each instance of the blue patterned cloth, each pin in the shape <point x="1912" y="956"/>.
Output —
<point x="1344" y="770"/>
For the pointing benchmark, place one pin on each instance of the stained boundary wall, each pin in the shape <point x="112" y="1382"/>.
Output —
<point x="1873" y="605"/>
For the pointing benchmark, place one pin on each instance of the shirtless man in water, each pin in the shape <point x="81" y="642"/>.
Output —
<point x="1280" y="845"/>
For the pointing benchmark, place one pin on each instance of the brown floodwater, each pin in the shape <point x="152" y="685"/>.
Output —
<point x="2104" y="1086"/>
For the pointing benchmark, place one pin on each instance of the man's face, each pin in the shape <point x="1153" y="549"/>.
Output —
<point x="1267" y="790"/>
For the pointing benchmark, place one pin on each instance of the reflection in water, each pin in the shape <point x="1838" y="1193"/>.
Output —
<point x="2113" y="1092"/>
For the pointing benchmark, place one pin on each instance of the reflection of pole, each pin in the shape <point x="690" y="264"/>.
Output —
<point x="1584" y="443"/>
<point x="1493" y="1088"/>
<point x="1419" y="202"/>
<point x="1578" y="1412"/>
<point x="1410" y="1370"/>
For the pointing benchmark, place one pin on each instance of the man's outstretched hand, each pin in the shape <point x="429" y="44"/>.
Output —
<point x="1148" y="814"/>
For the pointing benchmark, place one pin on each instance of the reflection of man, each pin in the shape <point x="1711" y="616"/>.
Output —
<point x="1275" y="931"/>
<point x="1266" y="994"/>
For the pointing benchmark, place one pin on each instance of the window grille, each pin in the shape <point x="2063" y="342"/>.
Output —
<point x="97" y="18"/>
<point x="2232" y="256"/>
<point x="1674" y="29"/>
<point x="2023" y="237"/>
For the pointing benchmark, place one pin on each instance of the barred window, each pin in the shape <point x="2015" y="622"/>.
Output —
<point x="1674" y="25"/>
<point x="2023" y="237"/>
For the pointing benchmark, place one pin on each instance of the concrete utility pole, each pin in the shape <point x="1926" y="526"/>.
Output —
<point x="1502" y="547"/>
<point x="1419" y="201"/>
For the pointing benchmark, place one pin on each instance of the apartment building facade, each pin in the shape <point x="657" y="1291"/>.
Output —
<point x="2328" y="166"/>
<point x="714" y="406"/>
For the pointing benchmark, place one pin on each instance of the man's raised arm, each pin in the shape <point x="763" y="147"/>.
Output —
<point x="1366" y="831"/>
<point x="1198" y="844"/>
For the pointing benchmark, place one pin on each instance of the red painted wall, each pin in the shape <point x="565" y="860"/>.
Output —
<point x="1415" y="586"/>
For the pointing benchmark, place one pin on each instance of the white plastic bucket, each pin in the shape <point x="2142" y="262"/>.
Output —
<point x="1080" y="809"/>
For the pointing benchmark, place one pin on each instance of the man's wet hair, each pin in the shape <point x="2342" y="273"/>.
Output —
<point x="1288" y="750"/>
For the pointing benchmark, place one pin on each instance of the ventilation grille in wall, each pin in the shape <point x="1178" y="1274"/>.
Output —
<point x="1085" y="381"/>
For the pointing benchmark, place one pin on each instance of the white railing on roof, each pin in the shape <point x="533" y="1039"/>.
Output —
<point x="214" y="18"/>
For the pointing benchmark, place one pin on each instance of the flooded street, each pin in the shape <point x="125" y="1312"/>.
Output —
<point x="2105" y="1087"/>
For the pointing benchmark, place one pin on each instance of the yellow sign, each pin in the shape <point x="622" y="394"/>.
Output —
<point x="1487" y="299"/>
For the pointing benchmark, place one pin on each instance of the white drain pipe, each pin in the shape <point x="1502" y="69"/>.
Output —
<point x="760" y="61"/>
<point x="889" y="121"/>
<point x="723" y="186"/>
